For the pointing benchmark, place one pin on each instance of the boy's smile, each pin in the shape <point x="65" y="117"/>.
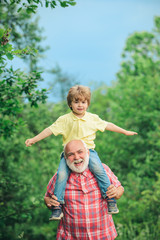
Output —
<point x="79" y="107"/>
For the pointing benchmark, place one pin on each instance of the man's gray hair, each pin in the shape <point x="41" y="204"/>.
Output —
<point x="84" y="144"/>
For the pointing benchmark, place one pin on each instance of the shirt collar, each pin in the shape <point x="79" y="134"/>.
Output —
<point x="87" y="173"/>
<point x="75" y="118"/>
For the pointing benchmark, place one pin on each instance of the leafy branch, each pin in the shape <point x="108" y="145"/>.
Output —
<point x="31" y="5"/>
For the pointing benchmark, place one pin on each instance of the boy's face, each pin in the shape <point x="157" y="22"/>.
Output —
<point x="79" y="107"/>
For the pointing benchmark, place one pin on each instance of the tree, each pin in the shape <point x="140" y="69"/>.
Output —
<point x="133" y="103"/>
<point x="19" y="191"/>
<point x="24" y="32"/>
<point x="32" y="5"/>
<point x="15" y="86"/>
<point x="24" y="175"/>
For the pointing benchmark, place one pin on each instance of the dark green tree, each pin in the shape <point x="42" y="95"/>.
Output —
<point x="25" y="32"/>
<point x="21" y="183"/>
<point x="15" y="87"/>
<point x="133" y="103"/>
<point x="24" y="175"/>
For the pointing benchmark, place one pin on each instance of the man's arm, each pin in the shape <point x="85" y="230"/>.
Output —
<point x="115" y="192"/>
<point x="114" y="128"/>
<point x="45" y="133"/>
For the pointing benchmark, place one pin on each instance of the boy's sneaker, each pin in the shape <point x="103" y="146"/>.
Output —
<point x="57" y="213"/>
<point x="112" y="207"/>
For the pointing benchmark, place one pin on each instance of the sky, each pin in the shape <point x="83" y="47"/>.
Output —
<point x="87" y="40"/>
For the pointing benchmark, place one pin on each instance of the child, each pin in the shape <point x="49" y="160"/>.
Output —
<point x="79" y="124"/>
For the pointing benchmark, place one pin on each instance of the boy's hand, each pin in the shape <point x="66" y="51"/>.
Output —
<point x="51" y="201"/>
<point x="130" y="133"/>
<point x="29" y="142"/>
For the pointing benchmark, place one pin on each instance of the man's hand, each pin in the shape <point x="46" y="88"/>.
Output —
<point x="114" y="192"/>
<point x="130" y="133"/>
<point x="29" y="142"/>
<point x="51" y="201"/>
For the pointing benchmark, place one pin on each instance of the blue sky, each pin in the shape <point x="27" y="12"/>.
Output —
<point x="87" y="40"/>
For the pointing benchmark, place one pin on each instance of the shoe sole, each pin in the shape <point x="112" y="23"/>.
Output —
<point x="111" y="213"/>
<point x="56" y="218"/>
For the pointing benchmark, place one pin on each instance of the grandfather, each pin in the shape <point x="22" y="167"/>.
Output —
<point x="85" y="211"/>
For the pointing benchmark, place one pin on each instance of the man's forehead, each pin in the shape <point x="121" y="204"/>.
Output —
<point x="74" y="147"/>
<point x="76" y="150"/>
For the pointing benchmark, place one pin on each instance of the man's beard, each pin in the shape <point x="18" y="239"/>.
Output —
<point x="78" y="169"/>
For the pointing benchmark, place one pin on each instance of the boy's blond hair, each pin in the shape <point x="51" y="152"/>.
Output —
<point x="79" y="92"/>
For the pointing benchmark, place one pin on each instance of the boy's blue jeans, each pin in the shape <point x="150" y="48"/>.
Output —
<point x="95" y="167"/>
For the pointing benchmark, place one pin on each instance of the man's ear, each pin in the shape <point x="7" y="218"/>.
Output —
<point x="88" y="151"/>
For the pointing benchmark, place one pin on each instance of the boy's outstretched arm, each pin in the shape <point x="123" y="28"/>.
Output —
<point x="114" y="128"/>
<point x="45" y="133"/>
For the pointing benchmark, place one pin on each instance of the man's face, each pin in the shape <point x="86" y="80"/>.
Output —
<point x="77" y="157"/>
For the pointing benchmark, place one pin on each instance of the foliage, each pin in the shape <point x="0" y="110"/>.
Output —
<point x="24" y="175"/>
<point x="146" y="223"/>
<point x="31" y="5"/>
<point x="133" y="103"/>
<point x="21" y="190"/>
<point x="25" y="34"/>
<point x="15" y="87"/>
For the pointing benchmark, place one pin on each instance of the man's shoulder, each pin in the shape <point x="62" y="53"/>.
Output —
<point x="53" y="178"/>
<point x="52" y="182"/>
<point x="106" y="167"/>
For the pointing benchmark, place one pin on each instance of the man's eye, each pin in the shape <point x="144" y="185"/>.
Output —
<point x="80" y="151"/>
<point x="71" y="154"/>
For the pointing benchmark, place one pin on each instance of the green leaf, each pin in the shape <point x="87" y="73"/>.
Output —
<point x="53" y="3"/>
<point x="72" y="3"/>
<point x="8" y="47"/>
<point x="33" y="6"/>
<point x="9" y="56"/>
<point x="47" y="4"/>
<point x="1" y="32"/>
<point x="64" y="4"/>
<point x="19" y="9"/>
<point x="30" y="10"/>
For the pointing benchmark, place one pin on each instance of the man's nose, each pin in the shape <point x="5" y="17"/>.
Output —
<point x="76" y="156"/>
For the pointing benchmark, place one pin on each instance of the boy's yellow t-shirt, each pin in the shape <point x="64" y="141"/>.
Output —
<point x="71" y="127"/>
